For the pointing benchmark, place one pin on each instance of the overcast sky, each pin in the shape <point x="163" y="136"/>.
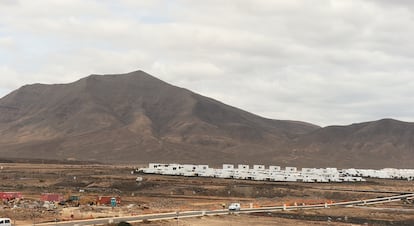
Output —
<point x="322" y="61"/>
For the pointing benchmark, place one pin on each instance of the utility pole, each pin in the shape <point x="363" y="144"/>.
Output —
<point x="177" y="214"/>
<point x="34" y="217"/>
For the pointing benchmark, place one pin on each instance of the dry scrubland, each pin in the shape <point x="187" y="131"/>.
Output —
<point x="171" y="193"/>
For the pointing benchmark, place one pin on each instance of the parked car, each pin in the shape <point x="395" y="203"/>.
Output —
<point x="5" y="222"/>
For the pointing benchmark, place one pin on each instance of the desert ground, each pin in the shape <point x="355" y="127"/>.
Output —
<point x="157" y="193"/>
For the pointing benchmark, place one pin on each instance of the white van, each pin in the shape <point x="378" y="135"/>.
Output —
<point x="5" y="222"/>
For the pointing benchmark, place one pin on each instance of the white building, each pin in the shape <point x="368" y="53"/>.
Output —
<point x="273" y="173"/>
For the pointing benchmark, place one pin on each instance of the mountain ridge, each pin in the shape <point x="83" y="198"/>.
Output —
<point x="138" y="118"/>
<point x="71" y="120"/>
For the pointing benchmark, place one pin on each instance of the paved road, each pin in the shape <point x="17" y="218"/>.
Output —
<point x="175" y="215"/>
<point x="160" y="216"/>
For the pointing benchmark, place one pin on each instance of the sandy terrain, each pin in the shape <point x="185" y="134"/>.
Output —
<point x="236" y="220"/>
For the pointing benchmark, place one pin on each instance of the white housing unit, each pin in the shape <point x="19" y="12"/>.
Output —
<point x="275" y="173"/>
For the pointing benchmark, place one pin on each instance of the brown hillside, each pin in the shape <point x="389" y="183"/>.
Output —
<point x="383" y="143"/>
<point x="135" y="118"/>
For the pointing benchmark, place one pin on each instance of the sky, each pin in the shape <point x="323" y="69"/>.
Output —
<point x="327" y="62"/>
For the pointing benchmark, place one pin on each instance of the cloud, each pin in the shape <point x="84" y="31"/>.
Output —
<point x="9" y="79"/>
<point x="7" y="43"/>
<point x="326" y="62"/>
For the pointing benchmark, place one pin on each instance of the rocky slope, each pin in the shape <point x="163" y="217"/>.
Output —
<point x="135" y="117"/>
<point x="382" y="143"/>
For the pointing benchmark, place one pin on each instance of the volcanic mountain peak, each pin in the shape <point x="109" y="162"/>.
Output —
<point x="133" y="114"/>
<point x="136" y="117"/>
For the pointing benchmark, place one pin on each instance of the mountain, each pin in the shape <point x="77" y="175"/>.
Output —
<point x="137" y="118"/>
<point x="383" y="143"/>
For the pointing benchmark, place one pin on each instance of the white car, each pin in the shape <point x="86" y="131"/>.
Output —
<point x="5" y="222"/>
<point x="234" y="206"/>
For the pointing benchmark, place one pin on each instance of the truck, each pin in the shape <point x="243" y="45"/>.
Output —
<point x="234" y="206"/>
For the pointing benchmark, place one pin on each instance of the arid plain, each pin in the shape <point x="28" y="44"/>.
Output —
<point x="157" y="193"/>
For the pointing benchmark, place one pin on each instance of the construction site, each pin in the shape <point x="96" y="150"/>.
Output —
<point x="54" y="193"/>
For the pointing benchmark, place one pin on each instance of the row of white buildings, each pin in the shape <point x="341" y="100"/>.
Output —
<point x="387" y="173"/>
<point x="258" y="172"/>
